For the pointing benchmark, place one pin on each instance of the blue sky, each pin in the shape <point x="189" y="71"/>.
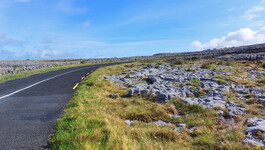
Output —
<point x="55" y="29"/>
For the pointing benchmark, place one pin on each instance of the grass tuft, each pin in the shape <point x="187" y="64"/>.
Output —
<point x="221" y="82"/>
<point x="208" y="66"/>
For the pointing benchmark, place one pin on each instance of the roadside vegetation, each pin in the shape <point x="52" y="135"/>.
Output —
<point x="42" y="70"/>
<point x="93" y="120"/>
<point x="32" y="72"/>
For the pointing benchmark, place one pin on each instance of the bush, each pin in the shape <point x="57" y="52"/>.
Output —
<point x="190" y="70"/>
<point x="157" y="67"/>
<point x="193" y="88"/>
<point x="263" y="65"/>
<point x="195" y="82"/>
<point x="261" y="79"/>
<point x="194" y="58"/>
<point x="221" y="82"/>
<point x="82" y="62"/>
<point x="201" y="93"/>
<point x="187" y="109"/>
<point x="231" y="63"/>
<point x="55" y="65"/>
<point x="208" y="66"/>
<point x="176" y="62"/>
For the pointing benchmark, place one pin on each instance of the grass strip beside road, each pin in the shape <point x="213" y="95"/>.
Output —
<point x="42" y="70"/>
<point x="37" y="71"/>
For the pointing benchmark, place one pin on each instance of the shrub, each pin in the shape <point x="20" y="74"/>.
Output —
<point x="222" y="62"/>
<point x="193" y="88"/>
<point x="157" y="67"/>
<point x="201" y="93"/>
<point x="231" y="63"/>
<point x="195" y="82"/>
<point x="208" y="66"/>
<point x="221" y="82"/>
<point x="263" y="65"/>
<point x="82" y="62"/>
<point x="261" y="80"/>
<point x="190" y="70"/>
<point x="176" y="62"/>
<point x="55" y="65"/>
<point x="187" y="109"/>
<point x="194" y="58"/>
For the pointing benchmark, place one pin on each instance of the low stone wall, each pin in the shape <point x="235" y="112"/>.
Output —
<point x="251" y="57"/>
<point x="13" y="67"/>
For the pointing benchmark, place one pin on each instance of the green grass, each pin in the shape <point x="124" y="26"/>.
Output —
<point x="175" y="62"/>
<point x="221" y="82"/>
<point x="194" y="82"/>
<point x="32" y="72"/>
<point x="208" y="66"/>
<point x="231" y="63"/>
<point x="261" y="79"/>
<point x="196" y="58"/>
<point x="92" y="120"/>
<point x="38" y="71"/>
<point x="263" y="65"/>
<point x="157" y="67"/>
<point x="190" y="70"/>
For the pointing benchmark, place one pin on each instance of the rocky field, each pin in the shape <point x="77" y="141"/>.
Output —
<point x="234" y="89"/>
<point x="252" y="52"/>
<point x="172" y="103"/>
<point x="212" y="99"/>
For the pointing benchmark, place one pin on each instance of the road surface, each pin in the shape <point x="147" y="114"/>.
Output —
<point x="30" y="107"/>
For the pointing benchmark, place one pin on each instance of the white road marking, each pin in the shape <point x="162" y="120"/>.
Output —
<point x="40" y="83"/>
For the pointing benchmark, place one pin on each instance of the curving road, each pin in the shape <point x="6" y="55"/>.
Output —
<point x="29" y="107"/>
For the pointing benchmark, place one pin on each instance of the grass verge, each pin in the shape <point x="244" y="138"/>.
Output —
<point x="32" y="72"/>
<point x="42" y="70"/>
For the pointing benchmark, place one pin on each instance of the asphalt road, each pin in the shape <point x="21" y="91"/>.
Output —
<point x="30" y="107"/>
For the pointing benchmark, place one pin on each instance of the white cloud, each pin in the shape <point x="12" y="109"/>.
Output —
<point x="253" y="12"/>
<point x="255" y="9"/>
<point x="66" y="7"/>
<point x="86" y="24"/>
<point x="46" y="54"/>
<point x="250" y="16"/>
<point x="259" y="23"/>
<point x="6" y="41"/>
<point x="37" y="54"/>
<point x="243" y="36"/>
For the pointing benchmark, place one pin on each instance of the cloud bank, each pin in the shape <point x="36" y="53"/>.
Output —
<point x="255" y="11"/>
<point x="244" y="36"/>
<point x="40" y="54"/>
<point x="6" y="41"/>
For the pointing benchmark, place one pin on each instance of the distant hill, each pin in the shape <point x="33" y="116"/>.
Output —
<point x="257" y="48"/>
